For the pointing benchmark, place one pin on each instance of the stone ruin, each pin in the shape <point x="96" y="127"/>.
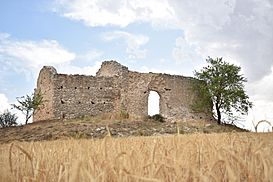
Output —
<point x="115" y="89"/>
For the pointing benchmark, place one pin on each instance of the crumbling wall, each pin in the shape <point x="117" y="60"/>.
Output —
<point x="112" y="68"/>
<point x="115" y="89"/>
<point x="176" y="95"/>
<point x="45" y="86"/>
<point x="74" y="96"/>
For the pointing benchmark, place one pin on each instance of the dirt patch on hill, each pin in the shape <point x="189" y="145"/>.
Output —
<point x="52" y="130"/>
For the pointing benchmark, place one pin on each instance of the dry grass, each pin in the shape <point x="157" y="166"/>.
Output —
<point x="200" y="157"/>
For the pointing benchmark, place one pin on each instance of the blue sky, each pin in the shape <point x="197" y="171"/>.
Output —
<point x="170" y="36"/>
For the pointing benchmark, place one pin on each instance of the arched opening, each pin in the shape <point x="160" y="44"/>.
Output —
<point x="153" y="103"/>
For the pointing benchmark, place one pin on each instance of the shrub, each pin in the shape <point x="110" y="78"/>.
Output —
<point x="7" y="119"/>
<point x="123" y="114"/>
<point x="157" y="117"/>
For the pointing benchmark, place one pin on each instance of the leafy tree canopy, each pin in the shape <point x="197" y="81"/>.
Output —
<point x="224" y="86"/>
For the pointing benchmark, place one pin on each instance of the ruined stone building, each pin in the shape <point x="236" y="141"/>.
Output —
<point x="114" y="89"/>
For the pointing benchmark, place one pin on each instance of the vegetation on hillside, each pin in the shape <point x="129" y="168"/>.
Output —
<point x="28" y="104"/>
<point x="7" y="119"/>
<point x="157" y="117"/>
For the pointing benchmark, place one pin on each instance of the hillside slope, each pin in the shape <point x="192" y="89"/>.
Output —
<point x="90" y="128"/>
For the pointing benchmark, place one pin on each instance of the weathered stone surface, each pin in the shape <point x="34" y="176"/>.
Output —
<point x="112" y="90"/>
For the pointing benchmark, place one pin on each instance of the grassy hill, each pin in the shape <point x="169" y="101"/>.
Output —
<point x="99" y="127"/>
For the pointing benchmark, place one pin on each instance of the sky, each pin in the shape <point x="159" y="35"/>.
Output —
<point x="169" y="36"/>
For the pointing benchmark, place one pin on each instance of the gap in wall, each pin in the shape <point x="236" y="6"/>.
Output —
<point x="153" y="103"/>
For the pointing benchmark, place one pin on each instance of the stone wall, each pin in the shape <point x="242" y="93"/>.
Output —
<point x="176" y="95"/>
<point x="112" y="68"/>
<point x="112" y="90"/>
<point x="45" y="85"/>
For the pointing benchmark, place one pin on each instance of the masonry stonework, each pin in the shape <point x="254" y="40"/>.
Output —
<point x="112" y="90"/>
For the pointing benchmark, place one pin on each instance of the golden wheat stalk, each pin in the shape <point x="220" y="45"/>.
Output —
<point x="24" y="152"/>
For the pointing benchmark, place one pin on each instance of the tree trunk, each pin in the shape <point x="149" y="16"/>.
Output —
<point x="218" y="113"/>
<point x="27" y="117"/>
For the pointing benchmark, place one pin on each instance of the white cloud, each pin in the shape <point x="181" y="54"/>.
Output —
<point x="262" y="89"/>
<point x="87" y="70"/>
<point x="133" y="41"/>
<point x="27" y="57"/>
<point x="4" y="36"/>
<point x="184" y="51"/>
<point x="118" y="13"/>
<point x="35" y="54"/>
<point x="90" y="55"/>
<point x="233" y="29"/>
<point x="4" y="104"/>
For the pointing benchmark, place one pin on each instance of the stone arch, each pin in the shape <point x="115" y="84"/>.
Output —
<point x="153" y="102"/>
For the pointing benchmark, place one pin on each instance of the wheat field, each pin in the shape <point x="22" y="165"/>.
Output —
<point x="196" y="157"/>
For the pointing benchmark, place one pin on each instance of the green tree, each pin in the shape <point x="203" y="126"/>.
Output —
<point x="224" y="86"/>
<point x="7" y="119"/>
<point x="27" y="104"/>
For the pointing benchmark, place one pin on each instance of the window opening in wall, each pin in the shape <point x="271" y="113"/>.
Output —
<point x="153" y="103"/>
